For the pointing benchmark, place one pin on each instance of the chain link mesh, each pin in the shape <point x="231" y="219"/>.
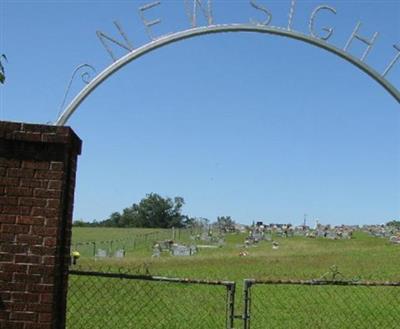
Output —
<point x="327" y="306"/>
<point x="98" y="301"/>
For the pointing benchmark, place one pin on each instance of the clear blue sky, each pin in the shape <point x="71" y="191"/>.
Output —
<point x="248" y="125"/>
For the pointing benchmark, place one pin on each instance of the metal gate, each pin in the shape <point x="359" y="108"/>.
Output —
<point x="320" y="304"/>
<point x="117" y="300"/>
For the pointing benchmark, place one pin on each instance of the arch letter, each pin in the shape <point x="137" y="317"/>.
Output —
<point x="291" y="14"/>
<point x="395" y="59"/>
<point x="369" y="43"/>
<point x="263" y="9"/>
<point x="192" y="12"/>
<point x="312" y="21"/>
<point x="149" y="24"/>
<point x="103" y="37"/>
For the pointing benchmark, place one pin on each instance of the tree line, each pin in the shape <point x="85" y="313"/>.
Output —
<point x="154" y="211"/>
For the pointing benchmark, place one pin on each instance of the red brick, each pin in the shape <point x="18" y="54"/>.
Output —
<point x="10" y="163"/>
<point x="45" y="174"/>
<point x="39" y="221"/>
<point x="52" y="138"/>
<point x="28" y="278"/>
<point x="15" y="210"/>
<point x="36" y="287"/>
<point x="35" y="165"/>
<point x="32" y="325"/>
<point x="48" y="194"/>
<point x="45" y="317"/>
<point x="14" y="268"/>
<point x="52" y="222"/>
<point x="44" y="231"/>
<point x="6" y="257"/>
<point x="18" y="181"/>
<point x="7" y="237"/>
<point x="50" y="242"/>
<point x="13" y="286"/>
<point x="9" y="200"/>
<point x="30" y="239"/>
<point x="5" y="296"/>
<point x="19" y="191"/>
<point x="12" y="228"/>
<point x="38" y="269"/>
<point x="48" y="278"/>
<point x="24" y="173"/>
<point x="27" y="259"/>
<point x="23" y="316"/>
<point x="43" y="251"/>
<point x="57" y="165"/>
<point x="8" y="219"/>
<point x="28" y="297"/>
<point x="40" y="308"/>
<point x="55" y="185"/>
<point x="12" y="325"/>
<point x="14" y="306"/>
<point x="42" y="211"/>
<point x="33" y="202"/>
<point x="13" y="248"/>
<point x="46" y="298"/>
<point x="25" y="220"/>
<point x="37" y="183"/>
<point x="7" y="181"/>
<point x="7" y="277"/>
<point x="26" y="136"/>
<point x="49" y="260"/>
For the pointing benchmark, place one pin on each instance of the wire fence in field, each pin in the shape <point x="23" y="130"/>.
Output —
<point x="321" y="304"/>
<point x="123" y="300"/>
<point x="119" y="247"/>
<point x="114" y="300"/>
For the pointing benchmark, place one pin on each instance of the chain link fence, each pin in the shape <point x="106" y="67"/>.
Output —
<point x="119" y="300"/>
<point x="127" y="246"/>
<point x="321" y="304"/>
<point x="123" y="300"/>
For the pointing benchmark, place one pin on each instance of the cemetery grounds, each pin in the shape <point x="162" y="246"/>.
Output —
<point x="118" y="302"/>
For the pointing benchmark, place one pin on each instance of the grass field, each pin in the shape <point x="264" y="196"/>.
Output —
<point x="297" y="258"/>
<point x="363" y="257"/>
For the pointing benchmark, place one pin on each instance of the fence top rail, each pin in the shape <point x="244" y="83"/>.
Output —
<point x="249" y="282"/>
<point x="152" y="278"/>
<point x="133" y="236"/>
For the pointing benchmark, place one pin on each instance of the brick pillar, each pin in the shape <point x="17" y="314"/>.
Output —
<point x="37" y="180"/>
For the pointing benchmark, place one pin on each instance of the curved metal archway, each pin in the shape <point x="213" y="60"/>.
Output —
<point x="211" y="29"/>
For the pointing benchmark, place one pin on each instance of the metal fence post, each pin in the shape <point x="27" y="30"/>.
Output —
<point x="246" y="302"/>
<point x="231" y="305"/>
<point x="94" y="248"/>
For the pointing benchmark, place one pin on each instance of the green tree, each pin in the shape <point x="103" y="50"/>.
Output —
<point x="2" y="71"/>
<point x="225" y="224"/>
<point x="394" y="223"/>
<point x="156" y="211"/>
<point x="152" y="211"/>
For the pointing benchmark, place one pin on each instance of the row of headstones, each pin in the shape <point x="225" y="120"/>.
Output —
<point x="102" y="253"/>
<point x="177" y="250"/>
<point x="388" y="232"/>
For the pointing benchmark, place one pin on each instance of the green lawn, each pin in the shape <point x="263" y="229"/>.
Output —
<point x="165" y="305"/>
<point x="297" y="258"/>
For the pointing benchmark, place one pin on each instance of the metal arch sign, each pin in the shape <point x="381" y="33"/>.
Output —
<point x="193" y="8"/>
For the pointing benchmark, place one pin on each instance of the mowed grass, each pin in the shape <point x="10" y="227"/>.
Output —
<point x="363" y="257"/>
